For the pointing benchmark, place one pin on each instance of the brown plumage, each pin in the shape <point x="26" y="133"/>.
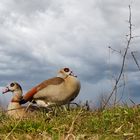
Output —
<point x="58" y="90"/>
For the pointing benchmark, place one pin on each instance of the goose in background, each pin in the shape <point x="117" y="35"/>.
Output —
<point x="59" y="90"/>
<point x="14" y="109"/>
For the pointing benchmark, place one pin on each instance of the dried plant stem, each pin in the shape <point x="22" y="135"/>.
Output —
<point x="69" y="133"/>
<point x="123" y="60"/>
<point x="132" y="53"/>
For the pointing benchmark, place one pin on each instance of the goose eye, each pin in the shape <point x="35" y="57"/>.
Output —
<point x="12" y="84"/>
<point x="66" y="69"/>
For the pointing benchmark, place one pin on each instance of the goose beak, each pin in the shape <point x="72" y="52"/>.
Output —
<point x="5" y="90"/>
<point x="72" y="74"/>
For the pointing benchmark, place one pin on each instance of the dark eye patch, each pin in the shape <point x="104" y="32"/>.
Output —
<point x="12" y="84"/>
<point x="66" y="69"/>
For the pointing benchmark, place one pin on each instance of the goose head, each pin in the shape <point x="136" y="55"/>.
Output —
<point x="65" y="72"/>
<point x="15" y="88"/>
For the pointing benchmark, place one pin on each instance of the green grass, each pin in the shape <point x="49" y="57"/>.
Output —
<point x="119" y="123"/>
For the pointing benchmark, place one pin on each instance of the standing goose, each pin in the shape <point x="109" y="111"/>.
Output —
<point x="59" y="90"/>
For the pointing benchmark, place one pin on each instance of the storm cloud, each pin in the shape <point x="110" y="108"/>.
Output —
<point x="38" y="37"/>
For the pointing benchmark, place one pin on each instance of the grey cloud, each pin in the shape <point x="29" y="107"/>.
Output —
<point x="26" y="7"/>
<point x="39" y="37"/>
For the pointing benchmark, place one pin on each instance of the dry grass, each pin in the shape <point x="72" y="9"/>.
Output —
<point x="77" y="124"/>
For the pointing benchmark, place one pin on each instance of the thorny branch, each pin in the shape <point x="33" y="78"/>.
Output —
<point x="123" y="60"/>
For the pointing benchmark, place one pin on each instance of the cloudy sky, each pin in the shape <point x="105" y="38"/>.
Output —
<point x="38" y="37"/>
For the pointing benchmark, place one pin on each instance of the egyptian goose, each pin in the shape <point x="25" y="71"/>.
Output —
<point x="14" y="109"/>
<point x="59" y="90"/>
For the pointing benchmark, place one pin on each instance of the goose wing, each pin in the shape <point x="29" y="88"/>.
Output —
<point x="29" y="95"/>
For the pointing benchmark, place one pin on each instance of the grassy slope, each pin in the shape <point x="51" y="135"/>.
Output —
<point x="111" y="124"/>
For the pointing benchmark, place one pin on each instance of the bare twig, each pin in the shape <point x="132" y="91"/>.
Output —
<point x="132" y="53"/>
<point x="121" y="94"/>
<point x="124" y="58"/>
<point x="132" y="102"/>
<point x="115" y="50"/>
